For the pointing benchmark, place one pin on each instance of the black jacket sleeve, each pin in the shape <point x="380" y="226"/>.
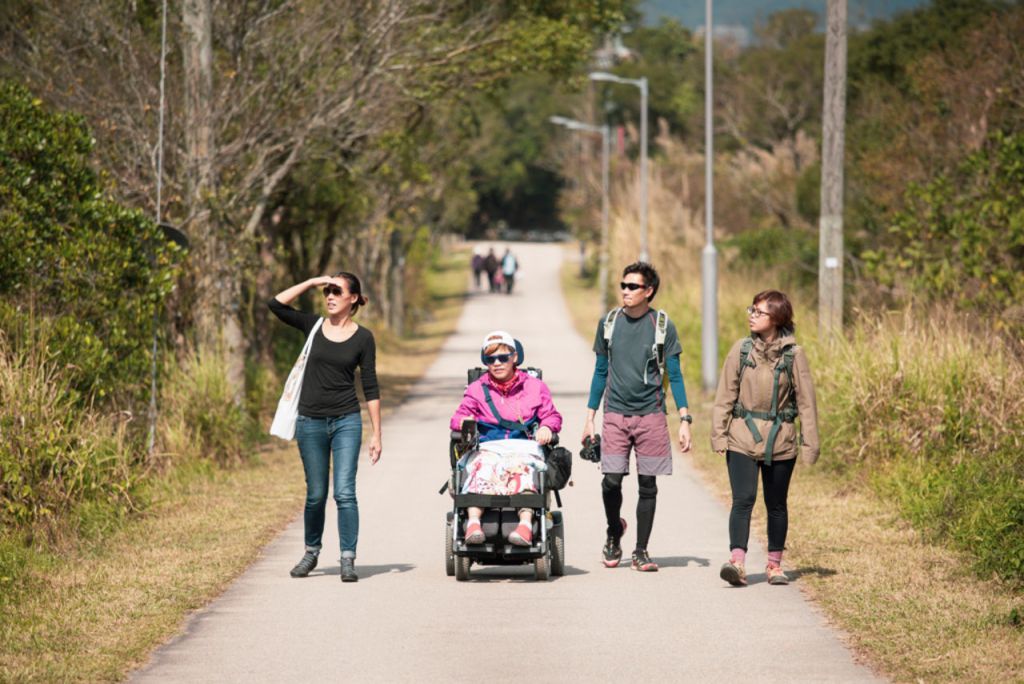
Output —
<point x="297" y="319"/>
<point x="368" y="368"/>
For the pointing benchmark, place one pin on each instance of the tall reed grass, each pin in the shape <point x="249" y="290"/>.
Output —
<point x="928" y="410"/>
<point x="200" y="418"/>
<point x="55" y="458"/>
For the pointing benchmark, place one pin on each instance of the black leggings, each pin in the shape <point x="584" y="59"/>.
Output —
<point x="743" y="478"/>
<point x="611" y="493"/>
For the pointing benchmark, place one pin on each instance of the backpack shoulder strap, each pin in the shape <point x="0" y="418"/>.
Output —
<point x="745" y="360"/>
<point x="787" y="365"/>
<point x="609" y="326"/>
<point x="660" y="333"/>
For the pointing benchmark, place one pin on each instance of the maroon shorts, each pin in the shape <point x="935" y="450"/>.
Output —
<point x="646" y="435"/>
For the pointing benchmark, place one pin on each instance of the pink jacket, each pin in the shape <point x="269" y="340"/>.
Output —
<point x="527" y="398"/>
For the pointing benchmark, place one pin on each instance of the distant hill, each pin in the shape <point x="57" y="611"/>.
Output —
<point x="747" y="13"/>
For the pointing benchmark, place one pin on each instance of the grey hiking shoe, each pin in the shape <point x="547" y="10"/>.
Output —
<point x="776" y="575"/>
<point x="304" y="566"/>
<point x="734" y="573"/>
<point x="348" y="570"/>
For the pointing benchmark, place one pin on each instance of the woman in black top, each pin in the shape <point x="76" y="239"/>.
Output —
<point x="329" y="426"/>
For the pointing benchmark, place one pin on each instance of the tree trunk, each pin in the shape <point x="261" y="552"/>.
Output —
<point x="197" y="59"/>
<point x="218" y="295"/>
<point x="396" y="275"/>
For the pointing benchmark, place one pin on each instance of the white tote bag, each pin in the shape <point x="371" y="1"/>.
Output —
<point x="288" y="406"/>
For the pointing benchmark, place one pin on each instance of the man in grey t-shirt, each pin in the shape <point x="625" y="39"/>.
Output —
<point x="628" y="376"/>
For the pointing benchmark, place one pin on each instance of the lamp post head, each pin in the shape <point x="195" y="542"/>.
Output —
<point x="603" y="76"/>
<point x="559" y="120"/>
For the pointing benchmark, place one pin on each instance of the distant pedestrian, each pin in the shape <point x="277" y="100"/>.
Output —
<point x="329" y="426"/>
<point x="477" y="264"/>
<point x="491" y="267"/>
<point x="635" y="347"/>
<point x="509" y="267"/>
<point x="765" y="384"/>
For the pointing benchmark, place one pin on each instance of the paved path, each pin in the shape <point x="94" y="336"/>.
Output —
<point x="405" y="621"/>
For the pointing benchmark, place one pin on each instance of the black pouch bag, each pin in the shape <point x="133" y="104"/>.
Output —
<point x="559" y="468"/>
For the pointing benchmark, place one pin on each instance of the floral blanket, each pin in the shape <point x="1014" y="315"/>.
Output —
<point x="504" y="467"/>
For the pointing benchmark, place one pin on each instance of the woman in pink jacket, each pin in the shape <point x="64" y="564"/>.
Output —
<point x="506" y="403"/>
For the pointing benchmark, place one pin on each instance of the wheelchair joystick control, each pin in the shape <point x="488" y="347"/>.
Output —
<point x="468" y="433"/>
<point x="591" y="450"/>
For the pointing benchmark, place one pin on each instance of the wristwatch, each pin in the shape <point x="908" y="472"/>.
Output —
<point x="688" y="418"/>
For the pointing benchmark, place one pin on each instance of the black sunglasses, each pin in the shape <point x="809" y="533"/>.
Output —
<point x="333" y="290"/>
<point x="631" y="286"/>
<point x="491" y="359"/>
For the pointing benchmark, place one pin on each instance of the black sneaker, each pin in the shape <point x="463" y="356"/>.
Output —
<point x="643" y="562"/>
<point x="305" y="566"/>
<point x="348" y="570"/>
<point x="612" y="551"/>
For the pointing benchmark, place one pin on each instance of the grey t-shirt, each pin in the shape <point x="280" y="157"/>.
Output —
<point x="633" y="355"/>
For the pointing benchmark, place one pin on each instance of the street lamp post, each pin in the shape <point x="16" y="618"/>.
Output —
<point x="709" y="257"/>
<point x="640" y="83"/>
<point x="602" y="271"/>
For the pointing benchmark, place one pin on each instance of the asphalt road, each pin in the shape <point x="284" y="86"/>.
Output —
<point x="405" y="620"/>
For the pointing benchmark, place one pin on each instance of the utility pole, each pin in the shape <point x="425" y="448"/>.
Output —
<point x="709" y="257"/>
<point x="830" y="222"/>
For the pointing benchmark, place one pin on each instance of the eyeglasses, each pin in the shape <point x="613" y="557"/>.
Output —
<point x="754" y="312"/>
<point x="333" y="290"/>
<point x="491" y="359"/>
<point x="631" y="286"/>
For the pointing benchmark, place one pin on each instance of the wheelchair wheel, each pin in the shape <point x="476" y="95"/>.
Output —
<point x="557" y="542"/>
<point x="449" y="553"/>
<point x="461" y="568"/>
<point x="542" y="568"/>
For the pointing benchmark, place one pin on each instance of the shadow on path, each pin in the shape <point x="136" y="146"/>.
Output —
<point x="367" y="571"/>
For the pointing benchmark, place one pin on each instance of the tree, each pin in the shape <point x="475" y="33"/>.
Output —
<point x="269" y="86"/>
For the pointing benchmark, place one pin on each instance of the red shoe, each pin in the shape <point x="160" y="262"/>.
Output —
<point x="521" y="536"/>
<point x="474" y="533"/>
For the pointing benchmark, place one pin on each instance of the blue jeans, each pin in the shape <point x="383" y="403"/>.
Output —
<point x="319" y="439"/>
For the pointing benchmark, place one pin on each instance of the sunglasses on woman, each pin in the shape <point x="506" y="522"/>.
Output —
<point x="333" y="290"/>
<point x="631" y="286"/>
<point x="492" y="359"/>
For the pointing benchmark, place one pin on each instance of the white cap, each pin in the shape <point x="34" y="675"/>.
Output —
<point x="498" y="337"/>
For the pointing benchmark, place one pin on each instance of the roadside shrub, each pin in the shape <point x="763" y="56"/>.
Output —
<point x="961" y="239"/>
<point x="95" y="269"/>
<point x="930" y="414"/>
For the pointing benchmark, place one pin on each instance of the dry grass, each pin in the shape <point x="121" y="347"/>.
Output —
<point x="910" y="608"/>
<point x="92" y="613"/>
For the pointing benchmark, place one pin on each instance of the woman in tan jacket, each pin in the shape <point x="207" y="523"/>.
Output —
<point x="765" y="386"/>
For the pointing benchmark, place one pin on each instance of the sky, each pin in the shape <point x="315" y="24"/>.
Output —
<point x="748" y="12"/>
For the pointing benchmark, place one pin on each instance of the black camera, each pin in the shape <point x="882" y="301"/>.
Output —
<point x="591" y="450"/>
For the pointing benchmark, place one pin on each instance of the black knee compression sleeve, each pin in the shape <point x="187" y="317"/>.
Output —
<point x="646" y="501"/>
<point x="611" y="494"/>
<point x="648" y="486"/>
<point x="611" y="482"/>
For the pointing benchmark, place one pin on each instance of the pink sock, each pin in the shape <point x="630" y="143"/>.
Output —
<point x="738" y="556"/>
<point x="775" y="558"/>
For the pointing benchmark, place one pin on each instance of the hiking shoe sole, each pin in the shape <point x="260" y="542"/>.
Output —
<point x="649" y="566"/>
<point x="731" y="574"/>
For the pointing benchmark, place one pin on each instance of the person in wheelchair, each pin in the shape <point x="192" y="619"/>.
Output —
<point x="507" y="404"/>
